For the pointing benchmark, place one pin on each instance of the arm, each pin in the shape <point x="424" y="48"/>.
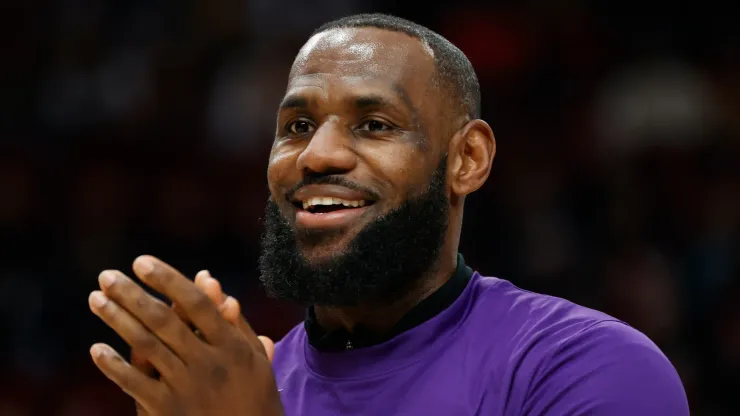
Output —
<point x="607" y="369"/>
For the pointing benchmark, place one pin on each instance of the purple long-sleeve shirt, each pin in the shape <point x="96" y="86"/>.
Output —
<point x="497" y="350"/>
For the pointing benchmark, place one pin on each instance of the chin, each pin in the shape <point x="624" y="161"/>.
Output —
<point x="320" y="256"/>
<point x="319" y="246"/>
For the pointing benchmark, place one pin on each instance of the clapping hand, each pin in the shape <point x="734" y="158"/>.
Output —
<point x="224" y="370"/>
<point x="228" y="307"/>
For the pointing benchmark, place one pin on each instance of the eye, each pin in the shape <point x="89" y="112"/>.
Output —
<point x="374" y="125"/>
<point x="300" y="127"/>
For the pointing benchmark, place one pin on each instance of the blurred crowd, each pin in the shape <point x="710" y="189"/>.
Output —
<point x="144" y="126"/>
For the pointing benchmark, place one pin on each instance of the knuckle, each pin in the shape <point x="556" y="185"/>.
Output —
<point x="185" y="334"/>
<point x="144" y="343"/>
<point x="164" y="276"/>
<point x="201" y="302"/>
<point x="158" y="317"/>
<point x="128" y="382"/>
<point x="242" y="353"/>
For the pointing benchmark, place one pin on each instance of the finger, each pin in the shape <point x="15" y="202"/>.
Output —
<point x="268" y="345"/>
<point x="182" y="315"/>
<point x="206" y="284"/>
<point x="210" y="286"/>
<point x="203" y="313"/>
<point x="142" y="364"/>
<point x="147" y="392"/>
<point x="231" y="311"/>
<point x="138" y="337"/>
<point x="154" y="314"/>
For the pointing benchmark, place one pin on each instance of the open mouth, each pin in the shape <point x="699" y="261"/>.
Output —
<point x="323" y="205"/>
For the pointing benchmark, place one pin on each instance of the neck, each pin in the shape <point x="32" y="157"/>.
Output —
<point x="382" y="317"/>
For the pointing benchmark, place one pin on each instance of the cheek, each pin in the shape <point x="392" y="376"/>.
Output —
<point x="407" y="166"/>
<point x="281" y="169"/>
<point x="403" y="169"/>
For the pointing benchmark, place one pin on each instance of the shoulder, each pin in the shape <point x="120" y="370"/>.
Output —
<point x="569" y="359"/>
<point x="532" y="316"/>
<point x="609" y="368"/>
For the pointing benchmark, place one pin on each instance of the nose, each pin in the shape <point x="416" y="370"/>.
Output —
<point x="329" y="151"/>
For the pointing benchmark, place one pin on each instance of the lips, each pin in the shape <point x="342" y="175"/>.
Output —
<point x="323" y="203"/>
<point x="329" y="206"/>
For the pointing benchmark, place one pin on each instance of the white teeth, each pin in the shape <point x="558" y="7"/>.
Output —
<point x="320" y="200"/>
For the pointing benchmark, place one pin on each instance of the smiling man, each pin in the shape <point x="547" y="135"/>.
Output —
<point x="378" y="143"/>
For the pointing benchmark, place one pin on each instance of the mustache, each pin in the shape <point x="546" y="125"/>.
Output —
<point x="330" y="180"/>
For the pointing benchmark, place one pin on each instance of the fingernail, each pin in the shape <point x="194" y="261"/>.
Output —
<point x="97" y="351"/>
<point x="144" y="264"/>
<point x="204" y="275"/>
<point x="106" y="279"/>
<point x="97" y="299"/>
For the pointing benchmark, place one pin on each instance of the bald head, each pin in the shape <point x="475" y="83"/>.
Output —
<point x="454" y="73"/>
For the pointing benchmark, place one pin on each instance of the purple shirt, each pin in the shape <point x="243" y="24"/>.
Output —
<point x="497" y="350"/>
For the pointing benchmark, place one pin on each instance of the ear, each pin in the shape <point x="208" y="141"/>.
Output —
<point x="471" y="154"/>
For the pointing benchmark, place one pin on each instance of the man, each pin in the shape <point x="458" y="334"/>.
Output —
<point x="378" y="142"/>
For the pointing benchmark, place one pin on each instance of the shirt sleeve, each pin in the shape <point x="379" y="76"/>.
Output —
<point x="607" y="369"/>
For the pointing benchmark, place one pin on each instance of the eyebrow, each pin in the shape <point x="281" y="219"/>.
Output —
<point x="294" y="101"/>
<point x="374" y="100"/>
<point x="371" y="100"/>
<point x="298" y="102"/>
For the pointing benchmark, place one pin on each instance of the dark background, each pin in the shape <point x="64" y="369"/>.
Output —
<point x="144" y="126"/>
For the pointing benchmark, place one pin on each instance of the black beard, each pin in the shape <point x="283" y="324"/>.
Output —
<point x="385" y="260"/>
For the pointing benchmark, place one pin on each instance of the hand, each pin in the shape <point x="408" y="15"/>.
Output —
<point x="225" y="373"/>
<point x="230" y="310"/>
<point x="227" y="305"/>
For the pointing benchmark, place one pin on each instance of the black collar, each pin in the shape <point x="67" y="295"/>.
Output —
<point x="360" y="337"/>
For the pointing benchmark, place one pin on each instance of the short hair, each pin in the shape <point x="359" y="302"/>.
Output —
<point x="454" y="70"/>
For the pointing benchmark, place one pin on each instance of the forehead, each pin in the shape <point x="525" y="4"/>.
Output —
<point x="369" y="56"/>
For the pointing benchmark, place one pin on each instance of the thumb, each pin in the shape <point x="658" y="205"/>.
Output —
<point x="268" y="345"/>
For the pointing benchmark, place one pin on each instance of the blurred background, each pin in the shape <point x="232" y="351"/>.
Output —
<point x="144" y="126"/>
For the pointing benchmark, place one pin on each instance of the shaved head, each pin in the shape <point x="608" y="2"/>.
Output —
<point x="454" y="73"/>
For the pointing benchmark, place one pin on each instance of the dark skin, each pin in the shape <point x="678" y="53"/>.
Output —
<point x="361" y="103"/>
<point x="391" y="146"/>
<point x="199" y="375"/>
